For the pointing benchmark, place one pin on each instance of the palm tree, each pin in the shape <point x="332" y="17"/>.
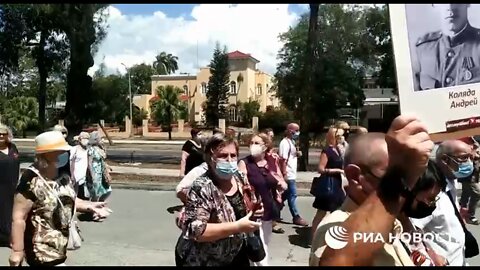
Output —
<point x="21" y="112"/>
<point x="239" y="81"/>
<point x="168" y="107"/>
<point x="165" y="64"/>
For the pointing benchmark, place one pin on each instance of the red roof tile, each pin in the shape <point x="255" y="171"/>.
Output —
<point x="239" y="55"/>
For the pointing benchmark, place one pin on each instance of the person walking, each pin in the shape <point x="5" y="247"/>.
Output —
<point x="217" y="216"/>
<point x="192" y="152"/>
<point x="289" y="155"/>
<point x="10" y="168"/>
<point x="330" y="166"/>
<point x="97" y="155"/>
<point x="471" y="188"/>
<point x="266" y="178"/>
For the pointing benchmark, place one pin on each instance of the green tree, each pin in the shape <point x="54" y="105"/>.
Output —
<point x="218" y="87"/>
<point x="165" y="64"/>
<point x="109" y="99"/>
<point x="20" y="113"/>
<point x="141" y="79"/>
<point x="138" y="116"/>
<point x="322" y="66"/>
<point x="249" y="110"/>
<point x="167" y="108"/>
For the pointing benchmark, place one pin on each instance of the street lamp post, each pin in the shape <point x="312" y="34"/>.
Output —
<point x="130" y="98"/>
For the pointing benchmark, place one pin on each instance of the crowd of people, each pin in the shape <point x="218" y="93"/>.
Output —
<point x="38" y="207"/>
<point x="382" y="183"/>
<point x="392" y="183"/>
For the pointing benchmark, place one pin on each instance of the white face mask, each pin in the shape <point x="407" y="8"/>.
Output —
<point x="257" y="149"/>
<point x="84" y="142"/>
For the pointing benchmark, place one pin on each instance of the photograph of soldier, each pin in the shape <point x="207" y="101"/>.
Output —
<point x="444" y="44"/>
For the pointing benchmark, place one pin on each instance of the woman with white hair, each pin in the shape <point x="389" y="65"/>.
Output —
<point x="9" y="167"/>
<point x="100" y="174"/>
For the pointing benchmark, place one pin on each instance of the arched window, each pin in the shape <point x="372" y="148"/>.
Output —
<point x="233" y="88"/>
<point x="185" y="89"/>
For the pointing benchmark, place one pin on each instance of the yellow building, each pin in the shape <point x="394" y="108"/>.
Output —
<point x="246" y="83"/>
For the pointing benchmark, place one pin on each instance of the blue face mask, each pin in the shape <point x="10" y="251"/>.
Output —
<point x="225" y="169"/>
<point x="295" y="135"/>
<point x="62" y="160"/>
<point x="465" y="169"/>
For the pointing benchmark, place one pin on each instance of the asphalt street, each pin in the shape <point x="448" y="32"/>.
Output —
<point x="169" y="154"/>
<point x="142" y="232"/>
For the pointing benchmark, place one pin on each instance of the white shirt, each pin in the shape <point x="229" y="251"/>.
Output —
<point x="288" y="146"/>
<point x="79" y="164"/>
<point x="444" y="224"/>
<point x="191" y="176"/>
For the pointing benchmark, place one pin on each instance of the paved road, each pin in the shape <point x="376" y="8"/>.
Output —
<point x="142" y="232"/>
<point x="169" y="154"/>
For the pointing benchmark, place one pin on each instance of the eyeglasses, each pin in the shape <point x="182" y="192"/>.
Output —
<point x="459" y="159"/>
<point x="431" y="203"/>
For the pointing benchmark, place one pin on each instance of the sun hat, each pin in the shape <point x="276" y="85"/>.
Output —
<point x="50" y="141"/>
<point x="84" y="135"/>
<point x="61" y="129"/>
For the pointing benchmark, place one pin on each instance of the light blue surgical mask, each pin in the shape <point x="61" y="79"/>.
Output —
<point x="226" y="169"/>
<point x="62" y="160"/>
<point x="465" y="169"/>
<point x="295" y="135"/>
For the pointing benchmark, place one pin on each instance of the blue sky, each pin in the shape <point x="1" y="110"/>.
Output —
<point x="136" y="33"/>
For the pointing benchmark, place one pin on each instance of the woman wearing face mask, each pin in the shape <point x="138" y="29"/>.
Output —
<point x="421" y="204"/>
<point x="192" y="152"/>
<point x="63" y="159"/>
<point x="43" y="207"/>
<point x="216" y="214"/>
<point x="79" y="165"/>
<point x="331" y="164"/>
<point x="100" y="188"/>
<point x="265" y="177"/>
<point x="9" y="167"/>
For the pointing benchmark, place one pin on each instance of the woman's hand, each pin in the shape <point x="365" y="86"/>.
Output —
<point x="246" y="225"/>
<point x="259" y="212"/>
<point x="16" y="258"/>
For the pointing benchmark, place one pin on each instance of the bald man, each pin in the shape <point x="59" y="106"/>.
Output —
<point x="288" y="163"/>
<point x="373" y="188"/>
<point x="454" y="160"/>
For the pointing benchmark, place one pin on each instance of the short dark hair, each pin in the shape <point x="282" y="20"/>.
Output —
<point x="194" y="132"/>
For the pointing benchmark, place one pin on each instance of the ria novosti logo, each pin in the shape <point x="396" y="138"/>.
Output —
<point x="337" y="237"/>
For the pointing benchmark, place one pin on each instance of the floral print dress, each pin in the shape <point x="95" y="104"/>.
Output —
<point x="99" y="188"/>
<point x="207" y="204"/>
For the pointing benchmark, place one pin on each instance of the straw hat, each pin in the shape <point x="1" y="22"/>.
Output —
<point x="50" y="141"/>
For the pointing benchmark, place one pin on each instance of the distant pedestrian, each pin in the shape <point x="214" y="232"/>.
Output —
<point x="289" y="156"/>
<point x="10" y="168"/>
<point x="79" y="165"/>
<point x="100" y="189"/>
<point x="192" y="152"/>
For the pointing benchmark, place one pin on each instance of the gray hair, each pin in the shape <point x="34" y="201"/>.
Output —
<point x="9" y="132"/>
<point x="95" y="138"/>
<point x="218" y="140"/>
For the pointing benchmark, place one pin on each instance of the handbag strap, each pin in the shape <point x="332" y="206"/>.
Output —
<point x="33" y="169"/>
<point x="457" y="213"/>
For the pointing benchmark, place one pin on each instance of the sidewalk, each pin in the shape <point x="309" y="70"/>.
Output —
<point x="304" y="179"/>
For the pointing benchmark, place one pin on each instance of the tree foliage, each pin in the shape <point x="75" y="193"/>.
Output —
<point x="218" y="87"/>
<point x="20" y="113"/>
<point x="141" y="79"/>
<point x="165" y="64"/>
<point x="167" y="109"/>
<point x="249" y="110"/>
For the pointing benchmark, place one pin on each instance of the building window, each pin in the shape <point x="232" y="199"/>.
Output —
<point x="259" y="89"/>
<point x="232" y="113"/>
<point x="204" y="88"/>
<point x="185" y="89"/>
<point x="233" y="88"/>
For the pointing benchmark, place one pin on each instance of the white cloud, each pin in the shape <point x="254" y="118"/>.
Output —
<point x="249" y="28"/>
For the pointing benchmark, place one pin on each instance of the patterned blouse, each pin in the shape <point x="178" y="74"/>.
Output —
<point x="46" y="231"/>
<point x="207" y="204"/>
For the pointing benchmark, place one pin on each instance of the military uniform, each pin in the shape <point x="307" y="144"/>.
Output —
<point x="444" y="61"/>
